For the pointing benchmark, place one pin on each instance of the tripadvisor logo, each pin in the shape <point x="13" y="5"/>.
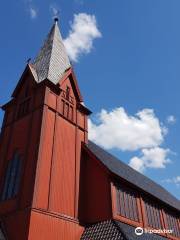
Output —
<point x="139" y="231"/>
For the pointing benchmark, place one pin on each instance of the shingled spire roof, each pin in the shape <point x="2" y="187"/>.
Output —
<point x="52" y="60"/>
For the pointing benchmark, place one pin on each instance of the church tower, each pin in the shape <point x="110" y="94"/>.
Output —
<point x="44" y="126"/>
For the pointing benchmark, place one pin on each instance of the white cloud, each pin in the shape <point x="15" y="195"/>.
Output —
<point x="142" y="131"/>
<point x="151" y="158"/>
<point x="33" y="12"/>
<point x="54" y="9"/>
<point x="31" y="9"/>
<point x="117" y="129"/>
<point x="80" y="39"/>
<point x="137" y="163"/>
<point x="171" y="119"/>
<point x="175" y="180"/>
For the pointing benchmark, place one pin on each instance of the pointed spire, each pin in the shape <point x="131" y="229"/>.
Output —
<point x="52" y="60"/>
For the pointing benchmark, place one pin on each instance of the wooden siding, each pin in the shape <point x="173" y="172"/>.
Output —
<point x="80" y="119"/>
<point x="50" y="143"/>
<point x="58" y="166"/>
<point x="80" y="138"/>
<point x="62" y="190"/>
<point x="28" y="176"/>
<point x="95" y="192"/>
<point x="46" y="227"/>
<point x="44" y="161"/>
<point x="59" y="156"/>
<point x="17" y="225"/>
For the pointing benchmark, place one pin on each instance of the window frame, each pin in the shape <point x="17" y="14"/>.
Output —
<point x="166" y="224"/>
<point x="145" y="218"/>
<point x="67" y="110"/>
<point x="121" y="218"/>
<point x="68" y="89"/>
<point x="143" y="221"/>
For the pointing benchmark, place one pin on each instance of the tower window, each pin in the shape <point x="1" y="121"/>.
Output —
<point x="12" y="178"/>
<point x="67" y="93"/>
<point x="62" y="106"/>
<point x="66" y="110"/>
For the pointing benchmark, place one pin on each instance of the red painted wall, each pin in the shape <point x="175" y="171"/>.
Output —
<point x="21" y="134"/>
<point x="59" y="156"/>
<point x="50" y="145"/>
<point x="95" y="194"/>
<point x="46" y="227"/>
<point x="17" y="225"/>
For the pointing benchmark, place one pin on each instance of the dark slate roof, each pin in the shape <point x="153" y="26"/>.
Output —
<point x="52" y="60"/>
<point x="115" y="230"/>
<point x="106" y="230"/>
<point x="126" y="172"/>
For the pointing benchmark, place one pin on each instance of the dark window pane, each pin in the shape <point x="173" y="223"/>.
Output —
<point x="62" y="106"/>
<point x="12" y="178"/>
<point x="17" y="179"/>
<point x="6" y="182"/>
<point x="67" y="93"/>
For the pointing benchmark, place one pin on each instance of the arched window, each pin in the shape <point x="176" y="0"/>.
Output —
<point x="12" y="178"/>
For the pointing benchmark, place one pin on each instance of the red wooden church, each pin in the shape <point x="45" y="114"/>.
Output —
<point x="54" y="183"/>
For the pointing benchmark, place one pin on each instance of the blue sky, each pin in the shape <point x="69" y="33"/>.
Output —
<point x="132" y="67"/>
